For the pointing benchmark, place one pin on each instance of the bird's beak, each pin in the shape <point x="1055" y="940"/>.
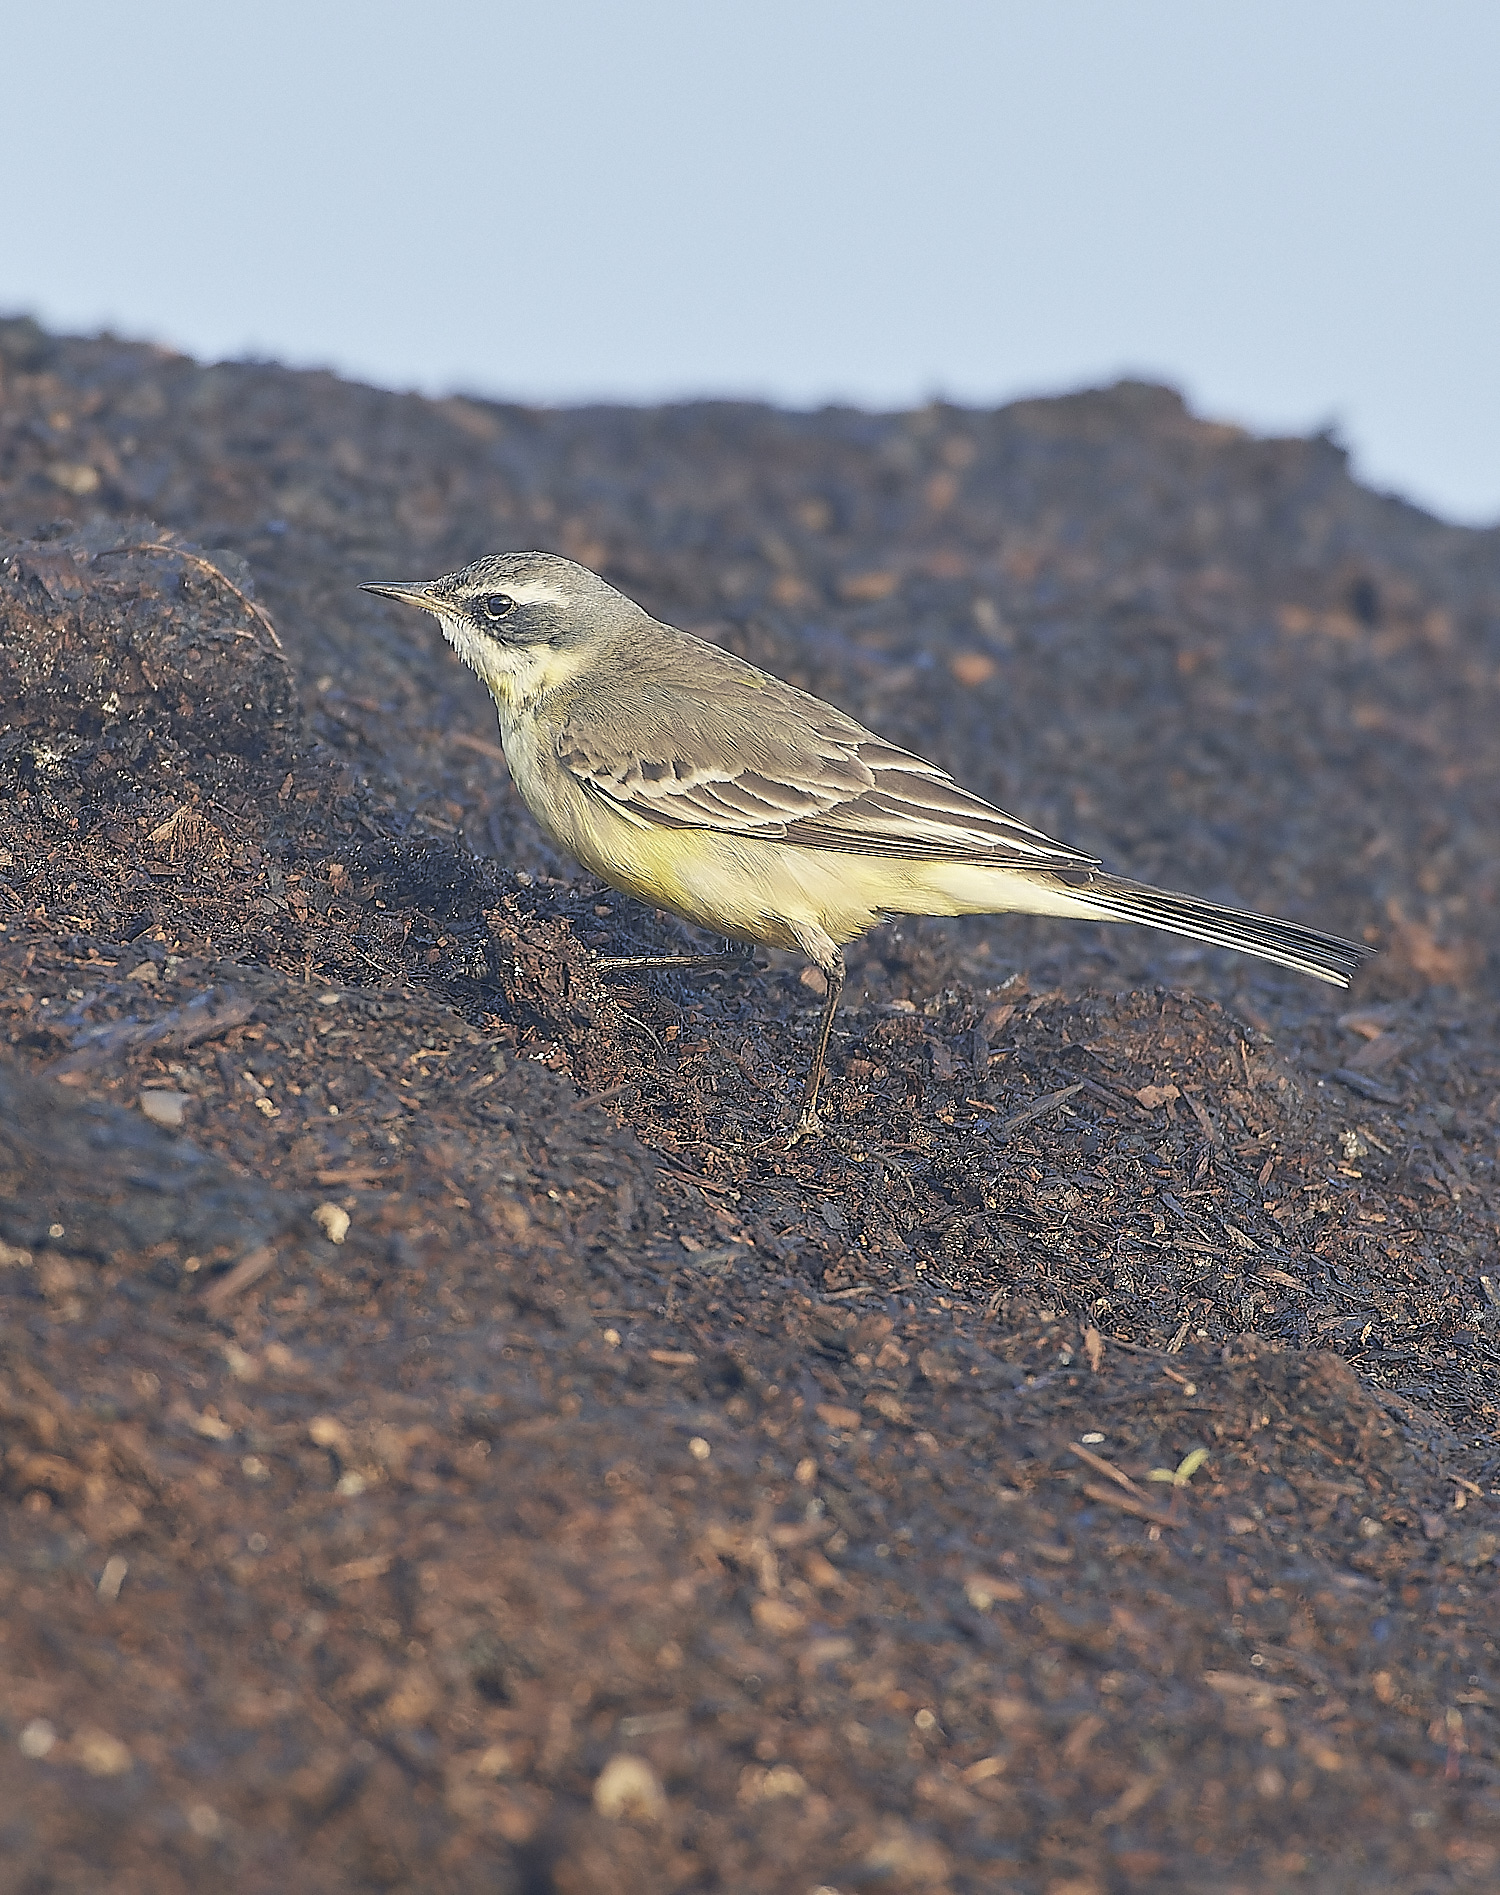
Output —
<point x="409" y="595"/>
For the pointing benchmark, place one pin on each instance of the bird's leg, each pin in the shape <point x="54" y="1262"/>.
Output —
<point x="808" y="1122"/>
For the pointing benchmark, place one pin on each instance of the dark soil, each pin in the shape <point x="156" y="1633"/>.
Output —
<point x="450" y="1443"/>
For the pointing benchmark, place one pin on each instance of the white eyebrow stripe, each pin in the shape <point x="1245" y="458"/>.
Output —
<point x="535" y="592"/>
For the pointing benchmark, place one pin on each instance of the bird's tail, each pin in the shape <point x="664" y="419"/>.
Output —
<point x="1323" y="956"/>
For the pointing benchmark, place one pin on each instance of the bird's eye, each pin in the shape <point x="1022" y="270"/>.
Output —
<point x="495" y="605"/>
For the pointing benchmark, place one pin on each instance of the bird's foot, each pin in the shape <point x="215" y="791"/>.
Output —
<point x="808" y="1125"/>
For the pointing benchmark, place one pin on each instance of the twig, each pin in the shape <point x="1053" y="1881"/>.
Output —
<point x="207" y="1016"/>
<point x="1107" y="1468"/>
<point x="1127" y="1503"/>
<point x="600" y="1098"/>
<point x="484" y="748"/>
<point x="257" y="612"/>
<point x="1135" y="1348"/>
<point x="691" y="1177"/>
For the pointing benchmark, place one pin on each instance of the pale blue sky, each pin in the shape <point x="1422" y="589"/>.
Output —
<point x="1290" y="208"/>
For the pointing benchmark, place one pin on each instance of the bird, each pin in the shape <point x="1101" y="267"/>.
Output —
<point x="699" y="783"/>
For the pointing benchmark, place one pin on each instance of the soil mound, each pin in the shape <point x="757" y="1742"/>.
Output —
<point x="446" y="1439"/>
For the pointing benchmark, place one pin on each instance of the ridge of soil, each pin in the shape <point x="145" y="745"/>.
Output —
<point x="448" y="1441"/>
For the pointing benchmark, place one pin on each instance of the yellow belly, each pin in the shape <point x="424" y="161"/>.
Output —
<point x="738" y="887"/>
<point x="750" y="890"/>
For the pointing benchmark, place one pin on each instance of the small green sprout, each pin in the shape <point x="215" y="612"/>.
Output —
<point x="1184" y="1471"/>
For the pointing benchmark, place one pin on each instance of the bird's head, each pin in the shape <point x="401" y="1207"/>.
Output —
<point x="521" y="620"/>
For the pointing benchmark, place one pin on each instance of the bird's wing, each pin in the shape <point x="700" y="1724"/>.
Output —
<point x="722" y="746"/>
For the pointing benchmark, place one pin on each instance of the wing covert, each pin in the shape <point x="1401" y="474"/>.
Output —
<point x="784" y="767"/>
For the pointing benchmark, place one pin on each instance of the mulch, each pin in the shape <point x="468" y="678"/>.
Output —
<point x="448" y="1439"/>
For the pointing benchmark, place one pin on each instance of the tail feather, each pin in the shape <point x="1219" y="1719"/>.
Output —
<point x="1323" y="956"/>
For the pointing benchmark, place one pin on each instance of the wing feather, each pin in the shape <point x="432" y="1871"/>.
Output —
<point x="688" y="736"/>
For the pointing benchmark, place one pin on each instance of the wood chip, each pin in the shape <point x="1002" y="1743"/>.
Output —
<point x="250" y="1269"/>
<point x="1281" y="1276"/>
<point x="1200" y="1113"/>
<point x="972" y="667"/>
<point x="1375" y="1055"/>
<point x="890" y="1408"/>
<point x="1050" y="1104"/>
<point x="1127" y="1503"/>
<point x="371" y="1567"/>
<point x="1135" y="1796"/>
<point x="352" y="1174"/>
<point x="1365" y="1086"/>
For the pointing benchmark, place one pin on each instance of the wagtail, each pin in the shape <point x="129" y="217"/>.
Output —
<point x="701" y="784"/>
